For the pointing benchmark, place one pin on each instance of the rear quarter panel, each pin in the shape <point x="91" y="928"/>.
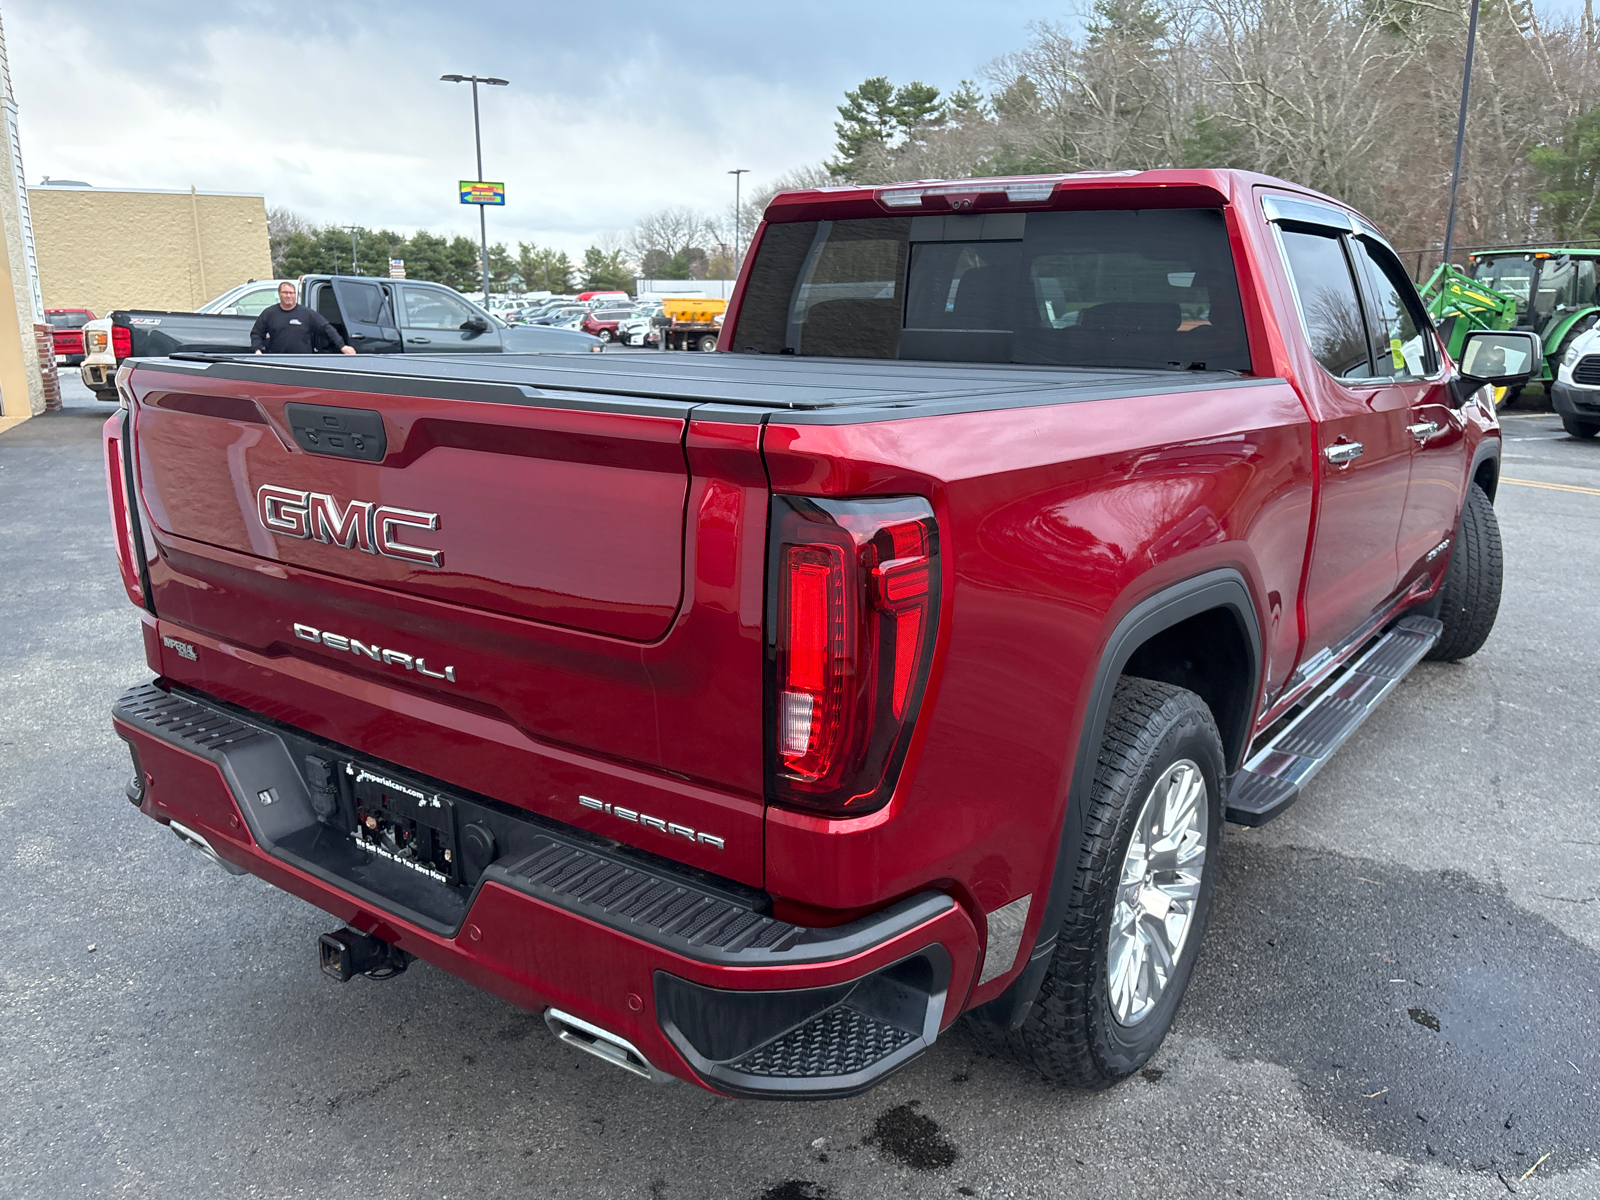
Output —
<point x="1054" y="522"/>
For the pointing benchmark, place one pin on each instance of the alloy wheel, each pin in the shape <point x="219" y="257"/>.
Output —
<point x="1157" y="892"/>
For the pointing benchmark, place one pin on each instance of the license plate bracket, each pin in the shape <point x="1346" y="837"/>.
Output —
<point x="406" y="823"/>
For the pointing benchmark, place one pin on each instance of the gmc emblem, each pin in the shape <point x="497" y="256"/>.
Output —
<point x="359" y="525"/>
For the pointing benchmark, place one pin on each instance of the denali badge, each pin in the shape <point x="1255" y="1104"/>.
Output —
<point x="391" y="658"/>
<point x="359" y="525"/>
<point x="656" y="823"/>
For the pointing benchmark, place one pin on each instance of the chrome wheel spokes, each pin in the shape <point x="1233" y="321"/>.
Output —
<point x="1157" y="892"/>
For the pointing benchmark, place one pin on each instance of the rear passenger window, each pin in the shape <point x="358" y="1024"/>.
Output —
<point x="1329" y="308"/>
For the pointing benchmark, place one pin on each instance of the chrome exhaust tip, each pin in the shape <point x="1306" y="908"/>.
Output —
<point x="591" y="1039"/>
<point x="190" y="837"/>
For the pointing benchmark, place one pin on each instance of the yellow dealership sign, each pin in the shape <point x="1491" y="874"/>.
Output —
<point x="475" y="191"/>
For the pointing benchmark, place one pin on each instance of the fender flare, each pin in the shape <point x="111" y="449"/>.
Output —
<point x="1488" y="450"/>
<point x="1226" y="589"/>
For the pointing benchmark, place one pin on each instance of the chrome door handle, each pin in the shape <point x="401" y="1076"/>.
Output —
<point x="1423" y="431"/>
<point x="1342" y="454"/>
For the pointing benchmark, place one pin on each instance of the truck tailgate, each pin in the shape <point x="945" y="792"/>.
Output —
<point x="555" y="515"/>
<point x="496" y="556"/>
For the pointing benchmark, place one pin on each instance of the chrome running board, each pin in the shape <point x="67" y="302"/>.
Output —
<point x="1275" y="773"/>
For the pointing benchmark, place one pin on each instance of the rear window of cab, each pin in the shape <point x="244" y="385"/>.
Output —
<point x="1114" y="288"/>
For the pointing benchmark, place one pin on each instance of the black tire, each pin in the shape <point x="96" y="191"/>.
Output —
<point x="1580" y="428"/>
<point x="1071" y="1035"/>
<point x="1470" y="597"/>
<point x="707" y="342"/>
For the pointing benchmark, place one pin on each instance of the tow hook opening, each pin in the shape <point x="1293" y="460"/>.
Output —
<point x="591" y="1039"/>
<point x="134" y="791"/>
<point x="344" y="954"/>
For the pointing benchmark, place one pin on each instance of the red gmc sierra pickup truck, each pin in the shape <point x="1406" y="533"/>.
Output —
<point x="756" y="715"/>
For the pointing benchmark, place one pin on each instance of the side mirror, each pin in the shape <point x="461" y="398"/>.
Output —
<point x="1491" y="359"/>
<point x="475" y="325"/>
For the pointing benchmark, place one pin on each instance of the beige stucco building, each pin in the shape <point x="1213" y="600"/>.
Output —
<point x="102" y="249"/>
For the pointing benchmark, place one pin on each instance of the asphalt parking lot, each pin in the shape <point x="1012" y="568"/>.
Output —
<point x="1398" y="994"/>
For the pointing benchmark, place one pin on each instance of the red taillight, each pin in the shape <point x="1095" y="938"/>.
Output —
<point x="816" y="659"/>
<point x="128" y="557"/>
<point x="854" y="608"/>
<point x="121" y="342"/>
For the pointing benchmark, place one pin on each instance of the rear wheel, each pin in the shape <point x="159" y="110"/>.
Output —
<point x="604" y="335"/>
<point x="1579" y="428"/>
<point x="1469" y="599"/>
<point x="708" y="342"/>
<point x="1142" y="892"/>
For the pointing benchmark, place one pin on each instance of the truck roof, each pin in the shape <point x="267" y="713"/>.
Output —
<point x="1163" y="188"/>
<point x="740" y="387"/>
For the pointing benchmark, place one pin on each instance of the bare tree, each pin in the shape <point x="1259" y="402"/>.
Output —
<point x="671" y="231"/>
<point x="1356" y="98"/>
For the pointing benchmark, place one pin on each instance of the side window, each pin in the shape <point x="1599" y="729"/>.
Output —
<point x="427" y="309"/>
<point x="253" y="304"/>
<point x="362" y="302"/>
<point x="1401" y="347"/>
<point x="1329" y="307"/>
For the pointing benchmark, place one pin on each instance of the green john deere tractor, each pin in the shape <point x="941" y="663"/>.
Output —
<point x="1555" y="293"/>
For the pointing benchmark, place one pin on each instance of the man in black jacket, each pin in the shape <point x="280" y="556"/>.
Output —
<point x="289" y="327"/>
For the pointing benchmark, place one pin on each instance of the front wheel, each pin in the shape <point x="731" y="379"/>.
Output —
<point x="1142" y="894"/>
<point x="1469" y="599"/>
<point x="1580" y="428"/>
<point x="708" y="342"/>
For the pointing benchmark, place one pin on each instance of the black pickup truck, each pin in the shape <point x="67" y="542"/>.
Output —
<point x="376" y="316"/>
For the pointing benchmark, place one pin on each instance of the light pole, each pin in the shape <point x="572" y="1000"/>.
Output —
<point x="1461" y="132"/>
<point x="737" y="214"/>
<point x="477" y="141"/>
<point x="355" y="267"/>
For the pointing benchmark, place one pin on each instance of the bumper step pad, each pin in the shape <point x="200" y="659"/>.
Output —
<point x="1275" y="774"/>
<point x="841" y="1041"/>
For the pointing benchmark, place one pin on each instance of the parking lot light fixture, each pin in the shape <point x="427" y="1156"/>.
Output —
<point x="477" y="141"/>
<point x="737" y="215"/>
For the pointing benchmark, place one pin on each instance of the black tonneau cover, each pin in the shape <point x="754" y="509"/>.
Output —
<point x="826" y="390"/>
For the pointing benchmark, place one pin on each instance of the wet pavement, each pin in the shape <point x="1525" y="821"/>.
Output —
<point x="1398" y="993"/>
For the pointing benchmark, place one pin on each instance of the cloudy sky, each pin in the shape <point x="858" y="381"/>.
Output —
<point x="335" y="109"/>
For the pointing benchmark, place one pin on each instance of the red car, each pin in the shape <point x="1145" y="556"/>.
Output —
<point x="753" y="715"/>
<point x="602" y="322"/>
<point x="66" y="332"/>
